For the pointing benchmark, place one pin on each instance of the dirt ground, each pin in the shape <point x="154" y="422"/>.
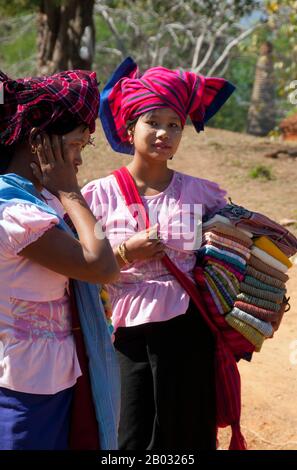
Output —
<point x="269" y="382"/>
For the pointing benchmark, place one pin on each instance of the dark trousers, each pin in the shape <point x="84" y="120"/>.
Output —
<point x="168" y="387"/>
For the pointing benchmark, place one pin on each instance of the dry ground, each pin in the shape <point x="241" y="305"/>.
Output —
<point x="269" y="385"/>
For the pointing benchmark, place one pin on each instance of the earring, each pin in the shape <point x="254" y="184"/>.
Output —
<point x="131" y="139"/>
<point x="33" y="149"/>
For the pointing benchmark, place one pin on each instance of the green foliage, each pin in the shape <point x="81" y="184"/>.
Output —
<point x="261" y="172"/>
<point x="233" y="115"/>
<point x="18" y="7"/>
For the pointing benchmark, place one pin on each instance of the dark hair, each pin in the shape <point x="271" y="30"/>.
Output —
<point x="131" y="124"/>
<point x="6" y="155"/>
<point x="62" y="126"/>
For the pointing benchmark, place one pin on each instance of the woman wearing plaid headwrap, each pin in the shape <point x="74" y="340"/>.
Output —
<point x="165" y="349"/>
<point x="45" y="122"/>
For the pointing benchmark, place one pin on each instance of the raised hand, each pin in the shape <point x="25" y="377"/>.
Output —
<point x="54" y="171"/>
<point x="145" y="245"/>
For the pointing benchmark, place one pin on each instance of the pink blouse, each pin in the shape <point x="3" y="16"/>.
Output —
<point x="146" y="291"/>
<point x="37" y="350"/>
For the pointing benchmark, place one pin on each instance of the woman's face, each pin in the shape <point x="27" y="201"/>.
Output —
<point x="157" y="134"/>
<point x="74" y="142"/>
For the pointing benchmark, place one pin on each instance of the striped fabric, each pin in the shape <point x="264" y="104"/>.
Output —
<point x="251" y="304"/>
<point x="263" y="327"/>
<point x="128" y="94"/>
<point x="250" y="299"/>
<point x="47" y="101"/>
<point x="260" y="225"/>
<point x="268" y="270"/>
<point x="261" y="293"/>
<point x="269" y="247"/>
<point x="268" y="259"/>
<point x="258" y="312"/>
<point x="250" y="333"/>
<point x="265" y="278"/>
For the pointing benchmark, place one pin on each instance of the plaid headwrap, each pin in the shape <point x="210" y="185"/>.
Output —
<point x="128" y="94"/>
<point x="46" y="101"/>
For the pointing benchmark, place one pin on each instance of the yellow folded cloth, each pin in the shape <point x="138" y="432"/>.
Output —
<point x="267" y="245"/>
<point x="250" y="333"/>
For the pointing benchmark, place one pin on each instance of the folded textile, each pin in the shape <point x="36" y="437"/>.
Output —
<point x="225" y="242"/>
<point x="228" y="252"/>
<point x="269" y="247"/>
<point x="214" y="297"/>
<point x="227" y="249"/>
<point x="250" y="280"/>
<point x="258" y="312"/>
<point x="261" y="293"/>
<point x="224" y="256"/>
<point x="218" y="295"/>
<point x="265" y="278"/>
<point x="250" y="333"/>
<point x="220" y="283"/>
<point x="224" y="220"/>
<point x="259" y="302"/>
<point x="230" y="230"/>
<point x="228" y="279"/>
<point x="230" y="269"/>
<point x="259" y="224"/>
<point x="265" y="269"/>
<point x="262" y="326"/>
<point x="229" y="233"/>
<point x="266" y="258"/>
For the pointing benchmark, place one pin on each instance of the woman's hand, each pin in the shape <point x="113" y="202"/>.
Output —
<point x="54" y="170"/>
<point x="145" y="245"/>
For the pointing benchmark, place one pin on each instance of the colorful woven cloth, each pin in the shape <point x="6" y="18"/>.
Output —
<point x="263" y="327"/>
<point x="258" y="302"/>
<point x="272" y="281"/>
<point x="45" y="101"/>
<point x="262" y="293"/>
<point x="256" y="263"/>
<point x="224" y="255"/>
<point x="259" y="295"/>
<point x="250" y="333"/>
<point x="270" y="260"/>
<point x="250" y="280"/>
<point x="229" y="268"/>
<point x="220" y="236"/>
<point x="221" y="229"/>
<point x="261" y="225"/>
<point x="226" y="242"/>
<point x="221" y="219"/>
<point x="269" y="247"/>
<point x="258" y="312"/>
<point x="128" y="94"/>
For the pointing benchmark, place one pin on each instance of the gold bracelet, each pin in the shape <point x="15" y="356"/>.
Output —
<point x="122" y="252"/>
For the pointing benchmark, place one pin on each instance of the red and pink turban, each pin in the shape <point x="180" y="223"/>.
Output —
<point x="46" y="102"/>
<point x="128" y="94"/>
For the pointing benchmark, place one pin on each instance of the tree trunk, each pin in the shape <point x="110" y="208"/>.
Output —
<point x="261" y="115"/>
<point x="66" y="35"/>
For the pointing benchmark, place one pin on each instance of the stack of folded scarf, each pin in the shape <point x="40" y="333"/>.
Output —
<point x="245" y="271"/>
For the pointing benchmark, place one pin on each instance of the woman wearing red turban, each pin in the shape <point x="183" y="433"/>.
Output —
<point x="165" y="349"/>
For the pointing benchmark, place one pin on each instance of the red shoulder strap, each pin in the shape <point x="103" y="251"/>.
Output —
<point x="132" y="197"/>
